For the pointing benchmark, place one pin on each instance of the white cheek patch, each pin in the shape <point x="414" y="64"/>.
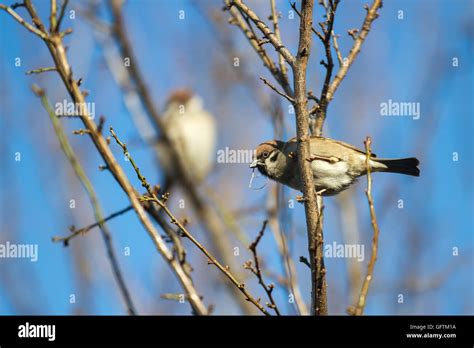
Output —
<point x="272" y="169"/>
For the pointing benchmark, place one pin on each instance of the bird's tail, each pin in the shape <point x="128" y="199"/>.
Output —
<point x="407" y="166"/>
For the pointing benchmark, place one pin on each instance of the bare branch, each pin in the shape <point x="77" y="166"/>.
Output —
<point x="321" y="108"/>
<point x="286" y="96"/>
<point x="318" y="34"/>
<point x="313" y="97"/>
<point x="276" y="30"/>
<point x="299" y="66"/>
<point x="211" y="259"/>
<point x="275" y="41"/>
<point x="364" y="31"/>
<point x="359" y="310"/>
<point x="245" y="26"/>
<point x="240" y="22"/>
<point x="52" y="16"/>
<point x="258" y="272"/>
<point x="87" y="184"/>
<point x="336" y="47"/>
<point x="61" y="14"/>
<point x="353" y="33"/>
<point x="84" y="230"/>
<point x="305" y="261"/>
<point x="27" y="25"/>
<point x="313" y="221"/>
<point x="58" y="53"/>
<point x="41" y="70"/>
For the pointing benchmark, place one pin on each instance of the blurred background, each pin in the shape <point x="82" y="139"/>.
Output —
<point x="418" y="52"/>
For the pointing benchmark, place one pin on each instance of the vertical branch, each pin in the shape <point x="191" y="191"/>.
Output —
<point x="315" y="234"/>
<point x="52" y="17"/>
<point x="299" y="67"/>
<point x="336" y="48"/>
<point x="359" y="310"/>
<point x="276" y="29"/>
<point x="275" y="200"/>
<point x="327" y="27"/>
<point x="62" y="11"/>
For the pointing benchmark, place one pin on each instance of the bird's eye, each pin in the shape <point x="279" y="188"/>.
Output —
<point x="265" y="154"/>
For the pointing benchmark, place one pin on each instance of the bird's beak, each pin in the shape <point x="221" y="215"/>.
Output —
<point x="255" y="163"/>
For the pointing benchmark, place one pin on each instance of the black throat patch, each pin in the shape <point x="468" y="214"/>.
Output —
<point x="263" y="170"/>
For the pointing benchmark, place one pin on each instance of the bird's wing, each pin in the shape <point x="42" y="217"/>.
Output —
<point x="322" y="143"/>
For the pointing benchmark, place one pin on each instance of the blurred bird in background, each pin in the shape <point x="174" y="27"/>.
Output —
<point x="193" y="132"/>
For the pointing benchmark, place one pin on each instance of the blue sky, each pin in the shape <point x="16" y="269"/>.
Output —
<point x="404" y="60"/>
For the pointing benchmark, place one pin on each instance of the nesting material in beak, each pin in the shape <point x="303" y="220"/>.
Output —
<point x="254" y="176"/>
<point x="254" y="164"/>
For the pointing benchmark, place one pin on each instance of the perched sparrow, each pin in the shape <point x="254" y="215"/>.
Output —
<point x="335" y="164"/>
<point x="193" y="132"/>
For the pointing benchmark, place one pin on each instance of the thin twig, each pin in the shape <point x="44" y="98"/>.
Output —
<point x="321" y="108"/>
<point x="275" y="41"/>
<point x="41" y="70"/>
<point x="211" y="259"/>
<point x="276" y="29"/>
<point x="359" y="310"/>
<point x="27" y="25"/>
<point x="61" y="14"/>
<point x="52" y="16"/>
<point x="87" y="184"/>
<point x="313" y="97"/>
<point x="318" y="34"/>
<point x="286" y="96"/>
<point x="305" y="261"/>
<point x="336" y="48"/>
<point x="239" y="21"/>
<point x="364" y="31"/>
<point x="258" y="272"/>
<point x="243" y="23"/>
<point x="353" y="33"/>
<point x="17" y="4"/>
<point x="84" y="230"/>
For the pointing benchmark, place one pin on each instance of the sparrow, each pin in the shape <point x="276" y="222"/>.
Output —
<point x="193" y="132"/>
<point x="335" y="164"/>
